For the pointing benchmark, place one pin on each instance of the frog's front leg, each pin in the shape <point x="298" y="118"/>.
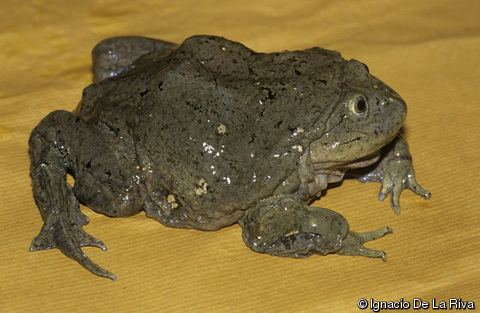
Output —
<point x="51" y="159"/>
<point x="395" y="172"/>
<point x="282" y="226"/>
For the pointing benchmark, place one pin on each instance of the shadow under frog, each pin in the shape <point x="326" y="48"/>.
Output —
<point x="210" y="133"/>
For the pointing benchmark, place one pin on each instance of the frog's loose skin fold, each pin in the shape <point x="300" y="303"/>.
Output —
<point x="209" y="133"/>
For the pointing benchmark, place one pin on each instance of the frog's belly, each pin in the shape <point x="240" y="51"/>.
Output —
<point x="173" y="210"/>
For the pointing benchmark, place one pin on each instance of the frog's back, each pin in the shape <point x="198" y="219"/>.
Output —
<point x="217" y="126"/>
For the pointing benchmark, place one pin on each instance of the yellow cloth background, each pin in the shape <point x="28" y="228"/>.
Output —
<point x="429" y="51"/>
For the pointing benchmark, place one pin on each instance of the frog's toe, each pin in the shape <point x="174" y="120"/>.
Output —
<point x="353" y="243"/>
<point x="85" y="239"/>
<point x="393" y="186"/>
<point x="395" y="198"/>
<point x="418" y="189"/>
<point x="363" y="251"/>
<point x="372" y="253"/>
<point x="372" y="235"/>
<point x="386" y="188"/>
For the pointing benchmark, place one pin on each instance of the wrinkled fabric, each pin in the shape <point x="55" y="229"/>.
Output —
<point x="428" y="51"/>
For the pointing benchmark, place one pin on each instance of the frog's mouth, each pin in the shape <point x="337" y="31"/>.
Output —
<point x="335" y="174"/>
<point x="333" y="168"/>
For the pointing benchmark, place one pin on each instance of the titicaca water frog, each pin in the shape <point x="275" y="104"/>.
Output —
<point x="209" y="133"/>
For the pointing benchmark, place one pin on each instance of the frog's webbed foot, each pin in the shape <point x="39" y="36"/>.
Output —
<point x="113" y="55"/>
<point x="284" y="227"/>
<point x="45" y="239"/>
<point x="50" y="159"/>
<point x="59" y="232"/>
<point x="395" y="176"/>
<point x="395" y="172"/>
<point x="353" y="243"/>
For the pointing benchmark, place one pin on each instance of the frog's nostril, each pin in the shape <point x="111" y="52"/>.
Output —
<point x="395" y="100"/>
<point x="391" y="93"/>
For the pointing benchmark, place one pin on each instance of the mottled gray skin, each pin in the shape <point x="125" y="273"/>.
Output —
<point x="210" y="133"/>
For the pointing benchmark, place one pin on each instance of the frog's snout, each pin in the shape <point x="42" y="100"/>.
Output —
<point x="394" y="106"/>
<point x="398" y="104"/>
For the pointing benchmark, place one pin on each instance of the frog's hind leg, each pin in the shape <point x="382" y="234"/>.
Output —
<point x="353" y="243"/>
<point x="115" y="54"/>
<point x="49" y="146"/>
<point x="282" y="226"/>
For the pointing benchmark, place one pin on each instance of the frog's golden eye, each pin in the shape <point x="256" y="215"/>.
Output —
<point x="359" y="105"/>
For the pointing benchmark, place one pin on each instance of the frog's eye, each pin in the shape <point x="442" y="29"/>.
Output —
<point x="359" y="105"/>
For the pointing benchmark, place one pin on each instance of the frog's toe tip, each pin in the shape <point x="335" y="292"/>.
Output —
<point x="427" y="195"/>
<point x="384" y="256"/>
<point x="103" y="246"/>
<point x="396" y="210"/>
<point x="106" y="274"/>
<point x="363" y="179"/>
<point x="381" y="196"/>
<point x="33" y="248"/>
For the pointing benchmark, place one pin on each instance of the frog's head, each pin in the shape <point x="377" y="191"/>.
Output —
<point x="367" y="116"/>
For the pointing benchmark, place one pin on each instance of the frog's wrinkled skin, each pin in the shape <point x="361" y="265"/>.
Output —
<point x="209" y="133"/>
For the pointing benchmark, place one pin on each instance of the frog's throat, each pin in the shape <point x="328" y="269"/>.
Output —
<point x="315" y="177"/>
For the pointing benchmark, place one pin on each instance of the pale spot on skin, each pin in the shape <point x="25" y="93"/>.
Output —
<point x="293" y="232"/>
<point x="298" y="148"/>
<point x="202" y="187"/>
<point x="173" y="202"/>
<point x="297" y="131"/>
<point x="221" y="129"/>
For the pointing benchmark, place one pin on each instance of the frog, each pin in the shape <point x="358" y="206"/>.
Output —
<point x="209" y="133"/>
